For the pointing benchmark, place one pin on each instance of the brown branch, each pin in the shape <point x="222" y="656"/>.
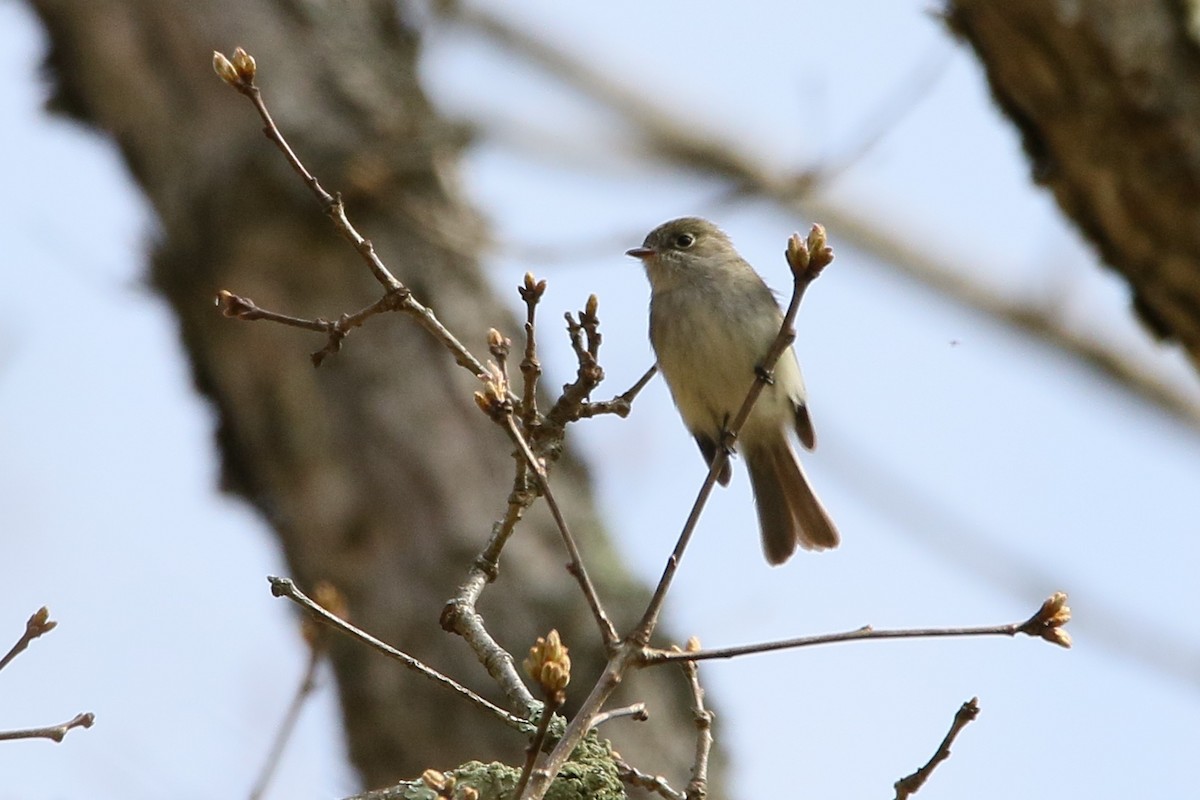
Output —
<point x="608" y="633"/>
<point x="697" y="788"/>
<point x="282" y="587"/>
<point x="911" y="784"/>
<point x="243" y="308"/>
<point x="585" y="342"/>
<point x="539" y="738"/>
<point x="496" y="400"/>
<point x="620" y="405"/>
<point x="459" y="615"/>
<point x="642" y="780"/>
<point x="1046" y="624"/>
<point x="239" y="74"/>
<point x="538" y="443"/>
<point x="531" y="368"/>
<point x="637" y="712"/>
<point x="54" y="732"/>
<point x="37" y="625"/>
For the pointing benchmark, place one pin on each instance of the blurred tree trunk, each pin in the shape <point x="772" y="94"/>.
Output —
<point x="376" y="470"/>
<point x="1106" y="95"/>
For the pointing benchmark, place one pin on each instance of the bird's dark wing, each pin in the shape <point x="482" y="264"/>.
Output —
<point x="804" y="427"/>
<point x="708" y="447"/>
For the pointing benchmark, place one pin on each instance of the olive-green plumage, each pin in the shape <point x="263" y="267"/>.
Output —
<point x="712" y="319"/>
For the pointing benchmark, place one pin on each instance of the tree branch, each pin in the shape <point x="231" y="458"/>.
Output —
<point x="54" y="732"/>
<point x="1046" y="624"/>
<point x="37" y="625"/>
<point x="282" y="587"/>
<point x="911" y="784"/>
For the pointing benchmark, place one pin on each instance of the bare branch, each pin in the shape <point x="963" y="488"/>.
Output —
<point x="459" y="615"/>
<point x="607" y="632"/>
<point x="654" y="783"/>
<point x="911" y="784"/>
<point x="531" y="369"/>
<point x="697" y="788"/>
<point x="37" y="625"/>
<point x="1046" y="624"/>
<point x="282" y="587"/>
<point x="397" y="297"/>
<point x="54" y="732"/>
<point x="620" y="405"/>
<point x="637" y="712"/>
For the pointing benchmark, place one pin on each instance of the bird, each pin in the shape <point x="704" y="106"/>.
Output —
<point x="712" y="321"/>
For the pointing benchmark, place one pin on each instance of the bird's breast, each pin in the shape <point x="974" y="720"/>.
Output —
<point x="708" y="345"/>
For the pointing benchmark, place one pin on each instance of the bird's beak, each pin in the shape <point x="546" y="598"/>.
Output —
<point x="640" y="252"/>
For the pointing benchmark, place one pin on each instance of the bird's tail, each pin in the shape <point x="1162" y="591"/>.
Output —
<point x="789" y="513"/>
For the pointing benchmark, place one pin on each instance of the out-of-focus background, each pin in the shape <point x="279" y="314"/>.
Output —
<point x="972" y="468"/>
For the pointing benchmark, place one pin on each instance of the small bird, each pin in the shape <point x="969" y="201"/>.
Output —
<point x="712" y="320"/>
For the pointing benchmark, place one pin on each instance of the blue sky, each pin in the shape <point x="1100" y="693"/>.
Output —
<point x="972" y="471"/>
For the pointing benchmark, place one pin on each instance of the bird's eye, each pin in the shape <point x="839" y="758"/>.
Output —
<point x="684" y="240"/>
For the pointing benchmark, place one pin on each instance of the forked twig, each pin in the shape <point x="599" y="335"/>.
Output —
<point x="643" y="780"/>
<point x="697" y="788"/>
<point x="608" y="633"/>
<point x="239" y="74"/>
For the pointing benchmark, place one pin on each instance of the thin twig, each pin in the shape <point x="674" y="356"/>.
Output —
<point x="614" y="672"/>
<point x="459" y="615"/>
<point x="697" y="788"/>
<point x="1047" y="623"/>
<point x="620" y="405"/>
<point x="637" y="712"/>
<point x="654" y="783"/>
<point x="54" y="732"/>
<point x="531" y="292"/>
<point x="539" y="738"/>
<point x="239" y="74"/>
<point x="864" y="633"/>
<point x="243" y="308"/>
<point x="608" y="633"/>
<point x="807" y="260"/>
<point x="283" y="587"/>
<point x="911" y="784"/>
<point x="585" y="341"/>
<point x="39" y="623"/>
<point x="308" y="685"/>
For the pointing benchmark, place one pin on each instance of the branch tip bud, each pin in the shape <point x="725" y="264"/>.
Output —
<point x="1049" y="620"/>
<point x="224" y="68"/>
<point x="549" y="665"/>
<point x="244" y="64"/>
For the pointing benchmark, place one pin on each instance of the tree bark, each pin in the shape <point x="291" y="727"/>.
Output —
<point x="1106" y="95"/>
<point x="376" y="470"/>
